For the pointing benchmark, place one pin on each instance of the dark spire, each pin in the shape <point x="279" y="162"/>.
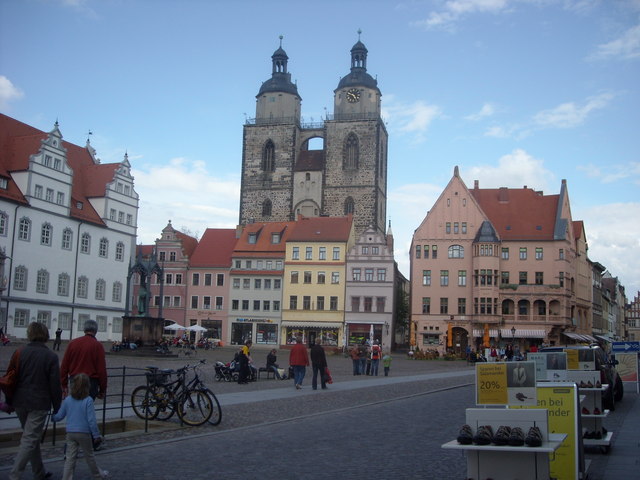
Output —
<point x="280" y="80"/>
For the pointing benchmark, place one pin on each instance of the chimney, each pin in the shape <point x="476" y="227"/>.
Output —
<point x="476" y="184"/>
<point x="503" y="194"/>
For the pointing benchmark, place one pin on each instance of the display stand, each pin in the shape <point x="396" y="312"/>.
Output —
<point x="591" y="400"/>
<point x="508" y="462"/>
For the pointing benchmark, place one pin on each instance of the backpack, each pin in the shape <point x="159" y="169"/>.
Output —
<point x="375" y="352"/>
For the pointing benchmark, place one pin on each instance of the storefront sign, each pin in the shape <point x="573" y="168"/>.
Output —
<point x="627" y="366"/>
<point x="572" y="360"/>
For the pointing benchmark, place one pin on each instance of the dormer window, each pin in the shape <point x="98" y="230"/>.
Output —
<point x="253" y="238"/>
<point x="275" y="238"/>
<point x="79" y="205"/>
<point x="4" y="183"/>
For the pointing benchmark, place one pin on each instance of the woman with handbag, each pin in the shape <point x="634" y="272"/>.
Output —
<point x="37" y="391"/>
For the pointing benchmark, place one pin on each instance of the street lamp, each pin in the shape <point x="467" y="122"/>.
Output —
<point x="513" y="334"/>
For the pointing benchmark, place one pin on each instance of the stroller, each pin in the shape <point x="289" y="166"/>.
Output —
<point x="234" y="366"/>
<point x="223" y="371"/>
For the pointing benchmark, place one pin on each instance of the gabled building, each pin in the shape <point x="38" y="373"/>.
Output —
<point x="493" y="266"/>
<point x="314" y="283"/>
<point x="255" y="309"/>
<point x="67" y="233"/>
<point x="166" y="297"/>
<point x="370" y="290"/>
<point x="209" y="281"/>
<point x="632" y="321"/>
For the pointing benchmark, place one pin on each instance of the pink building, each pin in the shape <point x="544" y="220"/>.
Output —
<point x="493" y="267"/>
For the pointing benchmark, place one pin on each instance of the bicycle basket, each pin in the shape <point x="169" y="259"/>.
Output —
<point x="157" y="377"/>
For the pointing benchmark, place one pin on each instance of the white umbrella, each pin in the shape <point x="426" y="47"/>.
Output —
<point x="174" y="326"/>
<point x="196" y="328"/>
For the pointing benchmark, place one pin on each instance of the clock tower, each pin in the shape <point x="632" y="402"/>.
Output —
<point x="283" y="177"/>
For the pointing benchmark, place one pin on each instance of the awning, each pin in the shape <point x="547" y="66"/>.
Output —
<point x="604" y="339"/>
<point x="579" y="337"/>
<point x="311" y="324"/>
<point x="360" y="322"/>
<point x="521" y="333"/>
<point x="493" y="332"/>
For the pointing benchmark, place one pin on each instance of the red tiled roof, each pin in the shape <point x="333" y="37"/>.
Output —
<point x="18" y="141"/>
<point x="263" y="245"/>
<point x="214" y="248"/>
<point x="189" y="243"/>
<point x="310" y="160"/>
<point x="145" y="250"/>
<point x="578" y="227"/>
<point x="519" y="214"/>
<point x="322" y="229"/>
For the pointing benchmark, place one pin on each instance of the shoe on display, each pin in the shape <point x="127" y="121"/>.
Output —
<point x="598" y="384"/>
<point x="596" y="411"/>
<point x="484" y="435"/>
<point x="585" y="411"/>
<point x="516" y="439"/>
<point x="502" y="435"/>
<point x="589" y="384"/>
<point x="534" y="437"/>
<point x="465" y="435"/>
<point x="597" y="435"/>
<point x="588" y="435"/>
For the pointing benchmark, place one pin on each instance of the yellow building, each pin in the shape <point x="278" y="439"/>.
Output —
<point x="314" y="281"/>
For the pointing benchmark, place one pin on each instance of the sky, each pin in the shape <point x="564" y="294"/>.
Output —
<point x="513" y="92"/>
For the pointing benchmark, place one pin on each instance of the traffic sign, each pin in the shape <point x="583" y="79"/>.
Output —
<point x="628" y="347"/>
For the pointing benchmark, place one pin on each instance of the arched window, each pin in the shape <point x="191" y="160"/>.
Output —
<point x="266" y="208"/>
<point x="351" y="153"/>
<point x="42" y="281"/>
<point x="120" y="251"/>
<point x="269" y="157"/>
<point x="101" y="286"/>
<point x="24" y="230"/>
<point x="85" y="243"/>
<point x="20" y="278"/>
<point x="349" y="206"/>
<point x="63" y="285"/>
<point x="103" y="250"/>
<point x="45" y="234"/>
<point x="83" y="287"/>
<point x="456" y="251"/>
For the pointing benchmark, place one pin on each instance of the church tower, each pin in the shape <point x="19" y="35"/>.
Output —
<point x="282" y="177"/>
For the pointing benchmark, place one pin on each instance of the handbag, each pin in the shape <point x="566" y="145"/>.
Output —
<point x="9" y="381"/>
<point x="327" y="375"/>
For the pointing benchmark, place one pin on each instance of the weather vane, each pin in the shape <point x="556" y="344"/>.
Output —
<point x="281" y="37"/>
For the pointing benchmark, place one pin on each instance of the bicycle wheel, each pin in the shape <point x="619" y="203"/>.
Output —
<point x="165" y="403"/>
<point x="216" y="411"/>
<point x="143" y="402"/>
<point x="195" y="407"/>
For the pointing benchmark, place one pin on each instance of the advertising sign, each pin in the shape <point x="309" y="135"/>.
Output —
<point x="627" y="366"/>
<point x="562" y="402"/>
<point x="551" y="366"/>
<point x="511" y="383"/>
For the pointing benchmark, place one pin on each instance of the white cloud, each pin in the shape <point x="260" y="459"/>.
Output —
<point x="514" y="170"/>
<point x="487" y="110"/>
<point x="414" y="118"/>
<point x="614" y="240"/>
<point x="454" y="10"/>
<point x="8" y="92"/>
<point x="625" y="47"/>
<point x="570" y="114"/>
<point x="613" y="173"/>
<point x="186" y="193"/>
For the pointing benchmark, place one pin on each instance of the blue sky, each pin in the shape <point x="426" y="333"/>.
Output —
<point x="514" y="92"/>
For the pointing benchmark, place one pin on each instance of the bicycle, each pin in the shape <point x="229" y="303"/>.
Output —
<point x="161" y="398"/>
<point x="197" y="384"/>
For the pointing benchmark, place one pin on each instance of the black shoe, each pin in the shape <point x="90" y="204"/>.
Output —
<point x="502" y="435"/>
<point x="465" y="436"/>
<point x="516" y="439"/>
<point x="484" y="435"/>
<point x="534" y="437"/>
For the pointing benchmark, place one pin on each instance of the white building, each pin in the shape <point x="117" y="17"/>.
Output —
<point x="67" y="229"/>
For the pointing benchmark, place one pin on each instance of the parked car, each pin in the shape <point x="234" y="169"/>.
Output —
<point x="608" y="373"/>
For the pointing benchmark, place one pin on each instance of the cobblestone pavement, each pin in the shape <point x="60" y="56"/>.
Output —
<point x="358" y="424"/>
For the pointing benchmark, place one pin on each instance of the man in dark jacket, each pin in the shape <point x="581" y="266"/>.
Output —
<point x="319" y="364"/>
<point x="37" y="391"/>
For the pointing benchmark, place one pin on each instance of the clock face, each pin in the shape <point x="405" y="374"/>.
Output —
<point x="353" y="95"/>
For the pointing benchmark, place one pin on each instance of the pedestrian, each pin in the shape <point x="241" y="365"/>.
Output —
<point x="244" y="358"/>
<point x="58" y="340"/>
<point x="299" y="360"/>
<point x="86" y="355"/>
<point x="376" y="354"/>
<point x="81" y="427"/>
<point x="386" y="363"/>
<point x="319" y="365"/>
<point x="362" y="356"/>
<point x="355" y="359"/>
<point x="38" y="390"/>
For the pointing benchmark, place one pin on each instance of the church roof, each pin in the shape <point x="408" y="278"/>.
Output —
<point x="310" y="160"/>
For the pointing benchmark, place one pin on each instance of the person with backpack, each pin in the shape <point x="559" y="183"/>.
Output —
<point x="376" y="354"/>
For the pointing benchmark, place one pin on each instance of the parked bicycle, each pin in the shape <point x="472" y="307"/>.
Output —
<point x="194" y="403"/>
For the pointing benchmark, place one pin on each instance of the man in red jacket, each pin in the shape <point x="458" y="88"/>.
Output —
<point x="299" y="360"/>
<point x="86" y="355"/>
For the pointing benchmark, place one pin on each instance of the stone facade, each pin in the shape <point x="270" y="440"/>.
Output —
<point x="349" y="174"/>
